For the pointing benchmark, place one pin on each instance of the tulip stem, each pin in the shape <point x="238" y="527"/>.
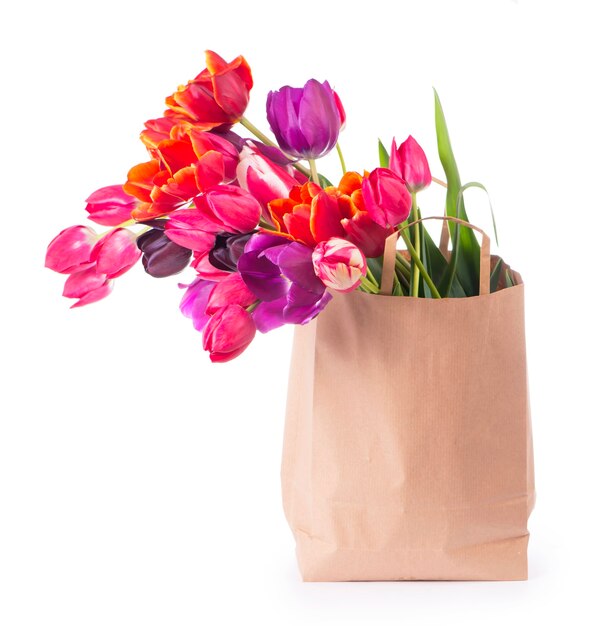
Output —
<point x="367" y="286"/>
<point x="341" y="157"/>
<point x="265" y="139"/>
<point x="372" y="278"/>
<point x="314" y="171"/>
<point x="417" y="241"/>
<point x="420" y="265"/>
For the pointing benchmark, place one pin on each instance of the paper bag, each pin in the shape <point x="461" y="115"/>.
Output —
<point x="407" y="448"/>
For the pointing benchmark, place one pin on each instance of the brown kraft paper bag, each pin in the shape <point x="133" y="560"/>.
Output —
<point x="407" y="448"/>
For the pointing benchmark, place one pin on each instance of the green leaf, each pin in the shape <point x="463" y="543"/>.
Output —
<point x="466" y="249"/>
<point x="383" y="154"/>
<point x="375" y="266"/>
<point x="324" y="182"/>
<point x="438" y="269"/>
<point x="425" y="257"/>
<point x="495" y="275"/>
<point x="480" y="186"/>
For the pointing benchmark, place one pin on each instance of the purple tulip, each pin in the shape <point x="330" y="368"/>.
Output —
<point x="194" y="302"/>
<point x="305" y="120"/>
<point x="281" y="274"/>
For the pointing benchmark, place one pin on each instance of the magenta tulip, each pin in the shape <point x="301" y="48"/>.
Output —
<point x="195" y="300"/>
<point x="116" y="252"/>
<point x="339" y="264"/>
<point x="228" y="332"/>
<point x="341" y="110"/>
<point x="305" y="120"/>
<point x="110" y="206"/>
<point x="410" y="163"/>
<point x="386" y="197"/>
<point x="71" y="249"/>
<point x="87" y="286"/>
<point x="230" y="290"/>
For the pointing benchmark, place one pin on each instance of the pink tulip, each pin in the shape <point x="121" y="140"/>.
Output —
<point x="192" y="229"/>
<point x="231" y="290"/>
<point x="263" y="178"/>
<point x="110" y="206"/>
<point x="88" y="286"/>
<point x="228" y="332"/>
<point x="339" y="264"/>
<point x="386" y="197"/>
<point x="234" y="208"/>
<point x="116" y="252"/>
<point x="341" y="110"/>
<point x="410" y="163"/>
<point x="71" y="249"/>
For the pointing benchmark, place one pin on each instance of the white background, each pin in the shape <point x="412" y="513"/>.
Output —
<point x="139" y="484"/>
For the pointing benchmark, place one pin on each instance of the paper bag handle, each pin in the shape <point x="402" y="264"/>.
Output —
<point x="390" y="251"/>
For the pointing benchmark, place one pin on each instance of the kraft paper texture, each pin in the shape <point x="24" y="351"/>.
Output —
<point x="407" y="448"/>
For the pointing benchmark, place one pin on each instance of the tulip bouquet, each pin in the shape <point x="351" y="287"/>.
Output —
<point x="268" y="236"/>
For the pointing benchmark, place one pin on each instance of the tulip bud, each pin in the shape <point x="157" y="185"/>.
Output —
<point x="228" y="332"/>
<point x="227" y="250"/>
<point x="306" y="120"/>
<point x="410" y="163"/>
<point x="386" y="197"/>
<point x="110" y="206"/>
<point x="339" y="264"/>
<point x="70" y="250"/>
<point x="116" y="252"/>
<point x="161" y="256"/>
<point x="87" y="285"/>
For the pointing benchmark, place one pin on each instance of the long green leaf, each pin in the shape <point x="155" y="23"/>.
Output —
<point x="480" y="186"/>
<point x="465" y="245"/>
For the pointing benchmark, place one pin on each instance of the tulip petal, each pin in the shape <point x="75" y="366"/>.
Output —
<point x="71" y="249"/>
<point x="116" y="253"/>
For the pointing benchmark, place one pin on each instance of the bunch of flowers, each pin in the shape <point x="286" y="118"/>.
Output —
<point x="268" y="237"/>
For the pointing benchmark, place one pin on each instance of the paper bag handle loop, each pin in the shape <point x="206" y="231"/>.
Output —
<point x="390" y="251"/>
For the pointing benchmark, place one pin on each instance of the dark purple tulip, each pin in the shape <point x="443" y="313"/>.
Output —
<point x="281" y="274"/>
<point x="227" y="250"/>
<point x="306" y="120"/>
<point x="161" y="256"/>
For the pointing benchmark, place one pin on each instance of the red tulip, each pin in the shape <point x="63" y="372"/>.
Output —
<point x="87" y="286"/>
<point x="228" y="332"/>
<point x="70" y="250"/>
<point x="339" y="264"/>
<point x="218" y="96"/>
<point x="386" y="197"/>
<point x="203" y="142"/>
<point x="410" y="163"/>
<point x="110" y="206"/>
<point x="116" y="252"/>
